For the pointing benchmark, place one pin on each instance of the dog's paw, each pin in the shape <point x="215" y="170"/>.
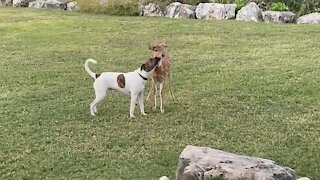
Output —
<point x="132" y="116"/>
<point x="143" y="113"/>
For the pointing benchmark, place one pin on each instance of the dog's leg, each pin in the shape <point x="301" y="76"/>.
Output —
<point x="161" y="96"/>
<point x="99" y="97"/>
<point x="140" y="100"/>
<point x="134" y="97"/>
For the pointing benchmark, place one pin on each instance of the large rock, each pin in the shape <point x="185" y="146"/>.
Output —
<point x="278" y="17"/>
<point x="21" y="3"/>
<point x="216" y="11"/>
<point x="313" y="18"/>
<point x="206" y="163"/>
<point x="5" y="2"/>
<point x="178" y="10"/>
<point x="250" y="12"/>
<point x="72" y="6"/>
<point x="150" y="9"/>
<point x="48" y="4"/>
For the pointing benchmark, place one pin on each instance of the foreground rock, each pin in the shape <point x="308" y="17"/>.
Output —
<point x="278" y="17"/>
<point x="150" y="9"/>
<point x="313" y="18"/>
<point x="216" y="11"/>
<point x="48" y="4"/>
<point x="206" y="163"/>
<point x="180" y="11"/>
<point x="250" y="12"/>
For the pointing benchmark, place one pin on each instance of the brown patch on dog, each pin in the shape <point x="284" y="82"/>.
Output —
<point x="121" y="81"/>
<point x="97" y="75"/>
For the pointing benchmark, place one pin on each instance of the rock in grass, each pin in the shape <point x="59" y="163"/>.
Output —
<point x="250" y="12"/>
<point x="5" y="2"/>
<point x="150" y="9"/>
<point x="48" y="4"/>
<point x="278" y="16"/>
<point x="72" y="6"/>
<point x="206" y="163"/>
<point x="179" y="11"/>
<point x="164" y="178"/>
<point x="216" y="11"/>
<point x="313" y="18"/>
<point x="21" y="3"/>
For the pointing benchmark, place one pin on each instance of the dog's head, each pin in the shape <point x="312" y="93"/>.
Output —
<point x="150" y="65"/>
<point x="158" y="50"/>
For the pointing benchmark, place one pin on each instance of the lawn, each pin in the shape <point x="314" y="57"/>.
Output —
<point x="247" y="88"/>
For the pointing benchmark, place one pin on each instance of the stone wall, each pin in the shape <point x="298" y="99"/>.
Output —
<point x="250" y="12"/>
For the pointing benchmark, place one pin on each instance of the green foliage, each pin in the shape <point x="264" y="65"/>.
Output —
<point x="122" y="7"/>
<point x="240" y="3"/>
<point x="279" y="6"/>
<point x="113" y="7"/>
<point x="91" y="6"/>
<point x="302" y="7"/>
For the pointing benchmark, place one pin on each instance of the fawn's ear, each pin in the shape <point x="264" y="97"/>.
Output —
<point x="151" y="47"/>
<point x="163" y="44"/>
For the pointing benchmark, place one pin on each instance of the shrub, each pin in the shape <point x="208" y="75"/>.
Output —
<point x="91" y="6"/>
<point x="112" y="7"/>
<point x="302" y="7"/>
<point x="240" y="3"/>
<point x="123" y="7"/>
<point x="279" y="6"/>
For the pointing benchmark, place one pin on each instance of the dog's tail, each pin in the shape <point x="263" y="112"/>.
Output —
<point x="86" y="66"/>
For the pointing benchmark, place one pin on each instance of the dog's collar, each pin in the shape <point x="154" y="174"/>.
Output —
<point x="144" y="78"/>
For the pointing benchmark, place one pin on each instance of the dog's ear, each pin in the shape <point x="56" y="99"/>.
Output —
<point x="143" y="67"/>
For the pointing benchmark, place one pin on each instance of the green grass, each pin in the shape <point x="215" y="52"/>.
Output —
<point x="248" y="88"/>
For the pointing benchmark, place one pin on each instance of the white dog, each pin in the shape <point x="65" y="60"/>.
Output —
<point x="131" y="83"/>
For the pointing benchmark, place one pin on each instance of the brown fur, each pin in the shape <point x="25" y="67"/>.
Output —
<point x="161" y="73"/>
<point x="121" y="81"/>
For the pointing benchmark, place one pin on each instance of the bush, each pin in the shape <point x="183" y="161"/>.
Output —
<point x="279" y="6"/>
<point x="113" y="7"/>
<point x="123" y="7"/>
<point x="240" y="3"/>
<point x="91" y="6"/>
<point x="302" y="7"/>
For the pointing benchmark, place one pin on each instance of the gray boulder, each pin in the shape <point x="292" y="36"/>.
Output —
<point x="250" y="12"/>
<point x="198" y="163"/>
<point x="21" y="3"/>
<point x="313" y="18"/>
<point x="5" y="2"/>
<point x="278" y="17"/>
<point x="216" y="11"/>
<point x="150" y="9"/>
<point x="72" y="6"/>
<point x="48" y="4"/>
<point x="178" y="10"/>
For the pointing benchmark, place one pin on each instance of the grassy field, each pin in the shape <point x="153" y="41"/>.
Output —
<point x="247" y="88"/>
